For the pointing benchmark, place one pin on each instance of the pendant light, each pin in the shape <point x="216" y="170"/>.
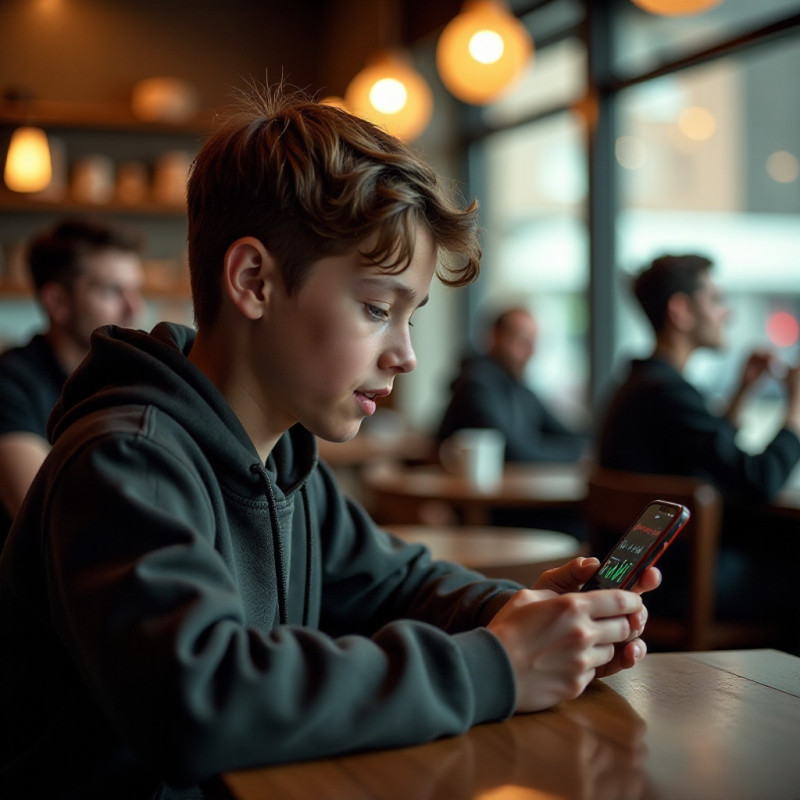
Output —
<point x="675" y="8"/>
<point x="392" y="94"/>
<point x="482" y="51"/>
<point x="28" y="164"/>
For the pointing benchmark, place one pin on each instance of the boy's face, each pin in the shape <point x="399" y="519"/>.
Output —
<point x="341" y="340"/>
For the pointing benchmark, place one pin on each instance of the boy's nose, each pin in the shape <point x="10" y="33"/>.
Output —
<point x="400" y="357"/>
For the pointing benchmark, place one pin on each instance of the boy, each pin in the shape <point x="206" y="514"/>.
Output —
<point x="186" y="591"/>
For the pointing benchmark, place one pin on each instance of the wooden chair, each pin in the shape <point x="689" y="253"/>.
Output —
<point x="615" y="498"/>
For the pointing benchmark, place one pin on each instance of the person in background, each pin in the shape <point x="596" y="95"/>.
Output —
<point x="657" y="422"/>
<point x="86" y="273"/>
<point x="490" y="392"/>
<point x="185" y="590"/>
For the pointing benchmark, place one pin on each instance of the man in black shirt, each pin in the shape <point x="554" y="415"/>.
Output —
<point x="86" y="274"/>
<point x="658" y="423"/>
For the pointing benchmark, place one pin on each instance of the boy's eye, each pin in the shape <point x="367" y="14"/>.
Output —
<point x="377" y="312"/>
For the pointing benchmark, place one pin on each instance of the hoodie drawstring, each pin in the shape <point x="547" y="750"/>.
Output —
<point x="277" y="543"/>
<point x="309" y="552"/>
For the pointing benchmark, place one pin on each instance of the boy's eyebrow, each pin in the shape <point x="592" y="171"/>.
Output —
<point x="398" y="287"/>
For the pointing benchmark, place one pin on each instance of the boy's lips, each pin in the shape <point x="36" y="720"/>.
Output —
<point x="366" y="399"/>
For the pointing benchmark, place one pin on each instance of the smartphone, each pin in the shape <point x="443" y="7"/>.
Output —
<point x="641" y="546"/>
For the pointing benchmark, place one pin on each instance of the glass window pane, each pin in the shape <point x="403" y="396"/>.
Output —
<point x="710" y="164"/>
<point x="555" y="77"/>
<point x="536" y="247"/>
<point x="645" y="41"/>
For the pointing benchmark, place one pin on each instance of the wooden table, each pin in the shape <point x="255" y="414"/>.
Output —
<point x="704" y="726"/>
<point x="539" y="486"/>
<point x="520" y="554"/>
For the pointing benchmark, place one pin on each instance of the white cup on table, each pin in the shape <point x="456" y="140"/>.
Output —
<point x="476" y="454"/>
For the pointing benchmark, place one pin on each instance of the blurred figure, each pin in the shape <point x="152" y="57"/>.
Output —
<point x="86" y="274"/>
<point x="490" y="392"/>
<point x="657" y="422"/>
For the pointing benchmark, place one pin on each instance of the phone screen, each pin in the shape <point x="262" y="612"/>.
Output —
<point x="641" y="545"/>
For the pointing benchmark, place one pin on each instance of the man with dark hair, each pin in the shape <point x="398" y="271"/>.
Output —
<point x="186" y="590"/>
<point x="657" y="404"/>
<point x="86" y="274"/>
<point x="658" y="423"/>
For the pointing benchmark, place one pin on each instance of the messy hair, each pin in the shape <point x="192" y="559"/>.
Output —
<point x="311" y="181"/>
<point x="665" y="276"/>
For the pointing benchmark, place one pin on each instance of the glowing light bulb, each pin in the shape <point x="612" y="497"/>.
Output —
<point x="482" y="51"/>
<point x="486" y="47"/>
<point x="388" y="95"/>
<point x="28" y="164"/>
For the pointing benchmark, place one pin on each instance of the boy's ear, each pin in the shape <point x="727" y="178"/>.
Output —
<point x="249" y="275"/>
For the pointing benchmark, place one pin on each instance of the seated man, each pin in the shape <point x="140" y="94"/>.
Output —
<point x="657" y="422"/>
<point x="185" y="590"/>
<point x="490" y="392"/>
<point x="86" y="274"/>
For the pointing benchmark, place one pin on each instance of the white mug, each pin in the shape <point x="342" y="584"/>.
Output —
<point x="477" y="454"/>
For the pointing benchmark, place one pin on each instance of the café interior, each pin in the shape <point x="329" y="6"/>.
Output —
<point x="612" y="132"/>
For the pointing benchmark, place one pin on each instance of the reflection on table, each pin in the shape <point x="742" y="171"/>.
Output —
<point x="703" y="725"/>
<point x="398" y="492"/>
<point x="520" y="554"/>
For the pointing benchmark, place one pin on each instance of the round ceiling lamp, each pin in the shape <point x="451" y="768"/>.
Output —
<point x="392" y="94"/>
<point x="675" y="8"/>
<point x="482" y="51"/>
<point x="28" y="165"/>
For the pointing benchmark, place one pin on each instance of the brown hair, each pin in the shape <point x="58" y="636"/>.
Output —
<point x="665" y="276"/>
<point x="58" y="253"/>
<point x="309" y="181"/>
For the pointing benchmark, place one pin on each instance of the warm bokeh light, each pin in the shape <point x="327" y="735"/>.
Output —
<point x="482" y="51"/>
<point x="630" y="152"/>
<point x="783" y="329"/>
<point x="486" y="47"/>
<point x="675" y="7"/>
<point x="697" y="123"/>
<point x="28" y="163"/>
<point x="783" y="166"/>
<point x="390" y="93"/>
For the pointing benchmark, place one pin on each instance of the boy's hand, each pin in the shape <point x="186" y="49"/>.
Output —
<point x="572" y="575"/>
<point x="568" y="643"/>
<point x="557" y="644"/>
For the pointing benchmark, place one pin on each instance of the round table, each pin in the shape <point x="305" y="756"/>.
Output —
<point x="398" y="491"/>
<point x="520" y="554"/>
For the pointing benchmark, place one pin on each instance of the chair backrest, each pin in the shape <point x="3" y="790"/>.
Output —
<point x="615" y="498"/>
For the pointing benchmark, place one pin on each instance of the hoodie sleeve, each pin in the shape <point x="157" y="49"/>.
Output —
<point x="152" y="616"/>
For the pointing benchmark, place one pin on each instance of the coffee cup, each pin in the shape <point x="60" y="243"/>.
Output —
<point x="476" y="454"/>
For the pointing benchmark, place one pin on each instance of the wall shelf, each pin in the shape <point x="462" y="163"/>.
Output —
<point x="97" y="117"/>
<point x="24" y="204"/>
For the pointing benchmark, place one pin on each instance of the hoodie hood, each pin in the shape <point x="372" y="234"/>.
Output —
<point x="129" y="367"/>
